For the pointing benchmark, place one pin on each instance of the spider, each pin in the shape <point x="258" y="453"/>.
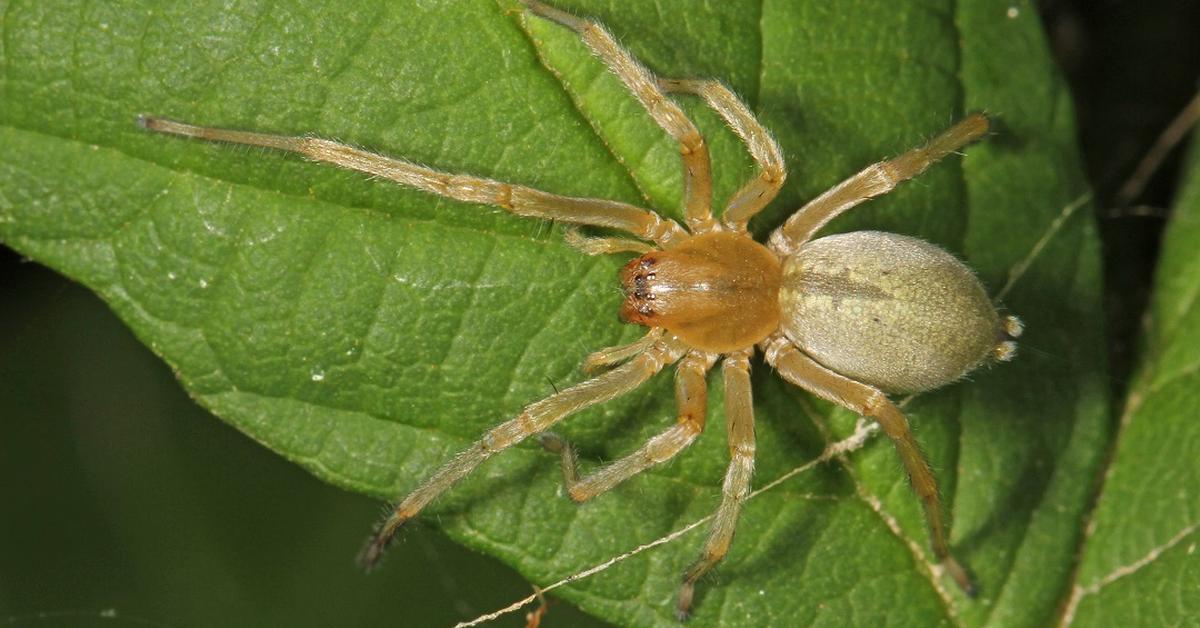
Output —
<point x="851" y="317"/>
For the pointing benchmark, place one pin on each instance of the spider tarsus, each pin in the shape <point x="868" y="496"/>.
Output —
<point x="981" y="118"/>
<point x="552" y="442"/>
<point x="534" y="5"/>
<point x="683" y="604"/>
<point x="156" y="124"/>
<point x="537" y="7"/>
<point x="370" y="555"/>
<point x="960" y="577"/>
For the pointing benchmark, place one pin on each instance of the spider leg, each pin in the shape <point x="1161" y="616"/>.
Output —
<point x="739" y="424"/>
<point x="691" y="396"/>
<point x="535" y="418"/>
<point x="697" y="174"/>
<point x="604" y="246"/>
<point x="803" y="371"/>
<point x="517" y="199"/>
<point x="761" y="190"/>
<point x="611" y="355"/>
<point x="874" y="180"/>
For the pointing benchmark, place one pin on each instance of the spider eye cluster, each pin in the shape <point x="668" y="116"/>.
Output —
<point x="638" y="276"/>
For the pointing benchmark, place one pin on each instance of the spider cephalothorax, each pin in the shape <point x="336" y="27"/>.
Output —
<point x="717" y="292"/>
<point x="848" y="317"/>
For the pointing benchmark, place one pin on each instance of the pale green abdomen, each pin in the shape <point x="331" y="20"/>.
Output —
<point x="887" y="310"/>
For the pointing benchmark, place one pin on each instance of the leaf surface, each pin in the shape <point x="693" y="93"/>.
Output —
<point x="1138" y="562"/>
<point x="368" y="332"/>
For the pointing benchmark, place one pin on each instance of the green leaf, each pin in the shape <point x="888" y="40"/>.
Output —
<point x="368" y="332"/>
<point x="1138" y="563"/>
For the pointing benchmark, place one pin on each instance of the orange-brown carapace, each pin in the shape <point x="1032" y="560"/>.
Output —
<point x="717" y="292"/>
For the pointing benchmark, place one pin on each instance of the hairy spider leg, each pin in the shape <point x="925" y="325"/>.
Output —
<point x="604" y="246"/>
<point x="691" y="398"/>
<point x="801" y="370"/>
<point x="756" y="193"/>
<point x="608" y="356"/>
<point x="697" y="174"/>
<point x="739" y="426"/>
<point x="535" y="418"/>
<point x="517" y="199"/>
<point x="874" y="180"/>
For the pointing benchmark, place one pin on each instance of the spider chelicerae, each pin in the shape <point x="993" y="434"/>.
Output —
<point x="850" y="318"/>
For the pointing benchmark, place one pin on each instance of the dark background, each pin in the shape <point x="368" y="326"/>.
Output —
<point x="120" y="493"/>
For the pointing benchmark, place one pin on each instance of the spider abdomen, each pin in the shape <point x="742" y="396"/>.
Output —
<point x="890" y="310"/>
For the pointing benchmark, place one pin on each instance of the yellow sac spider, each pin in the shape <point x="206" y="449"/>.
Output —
<point x="848" y="317"/>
